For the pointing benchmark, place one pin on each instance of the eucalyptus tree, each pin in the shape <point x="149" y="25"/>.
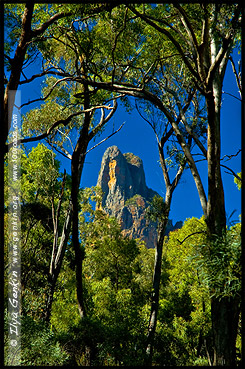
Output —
<point x="172" y="166"/>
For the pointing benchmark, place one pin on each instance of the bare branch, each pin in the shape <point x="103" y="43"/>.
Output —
<point x="104" y="119"/>
<point x="183" y="118"/>
<point x="66" y="136"/>
<point x="177" y="177"/>
<point x="231" y="156"/>
<point x="61" y="151"/>
<point x="238" y="79"/>
<point x="44" y="73"/>
<point x="235" y="97"/>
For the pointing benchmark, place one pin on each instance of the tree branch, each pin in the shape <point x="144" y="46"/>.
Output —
<point x="232" y="171"/>
<point x="188" y="28"/>
<point x="192" y="234"/>
<point x="49" y="93"/>
<point x="231" y="156"/>
<point x="103" y="119"/>
<point x="56" y="73"/>
<point x="105" y="139"/>
<point x="238" y="79"/>
<point x="170" y="37"/>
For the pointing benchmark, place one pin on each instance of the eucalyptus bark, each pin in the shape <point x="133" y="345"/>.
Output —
<point x="224" y="311"/>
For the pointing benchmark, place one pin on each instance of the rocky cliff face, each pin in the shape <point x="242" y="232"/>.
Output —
<point x="125" y="194"/>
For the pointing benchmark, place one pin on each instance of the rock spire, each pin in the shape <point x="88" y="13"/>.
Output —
<point x="126" y="195"/>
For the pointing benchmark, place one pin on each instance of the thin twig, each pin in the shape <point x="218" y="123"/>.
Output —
<point x="232" y="172"/>
<point x="231" y="156"/>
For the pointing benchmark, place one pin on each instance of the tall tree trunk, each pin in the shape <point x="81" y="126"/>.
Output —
<point x="224" y="311"/>
<point x="77" y="163"/>
<point x="225" y="317"/>
<point x="50" y="297"/>
<point x="76" y="171"/>
<point x="163" y="222"/>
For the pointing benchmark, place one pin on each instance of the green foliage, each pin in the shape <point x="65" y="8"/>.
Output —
<point x="40" y="175"/>
<point x="220" y="264"/>
<point x="184" y="306"/>
<point x="158" y="210"/>
<point x="41" y="184"/>
<point x="133" y="200"/>
<point x="39" y="345"/>
<point x="64" y="308"/>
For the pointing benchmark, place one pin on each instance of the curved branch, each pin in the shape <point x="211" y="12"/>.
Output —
<point x="44" y="73"/>
<point x="49" y="93"/>
<point x="105" y="139"/>
<point x="238" y="79"/>
<point x="64" y="122"/>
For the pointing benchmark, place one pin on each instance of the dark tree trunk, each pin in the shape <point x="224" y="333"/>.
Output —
<point x="155" y="294"/>
<point x="50" y="297"/>
<point x="224" y="311"/>
<point x="77" y="163"/>
<point x="17" y="64"/>
<point x="216" y="217"/>
<point x="225" y="317"/>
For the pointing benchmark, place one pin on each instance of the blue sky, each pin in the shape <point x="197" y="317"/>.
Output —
<point x="137" y="137"/>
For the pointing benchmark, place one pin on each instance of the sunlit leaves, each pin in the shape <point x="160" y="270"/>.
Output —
<point x="41" y="175"/>
<point x="222" y="271"/>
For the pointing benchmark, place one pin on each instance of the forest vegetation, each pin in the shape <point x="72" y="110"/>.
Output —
<point x="89" y="295"/>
